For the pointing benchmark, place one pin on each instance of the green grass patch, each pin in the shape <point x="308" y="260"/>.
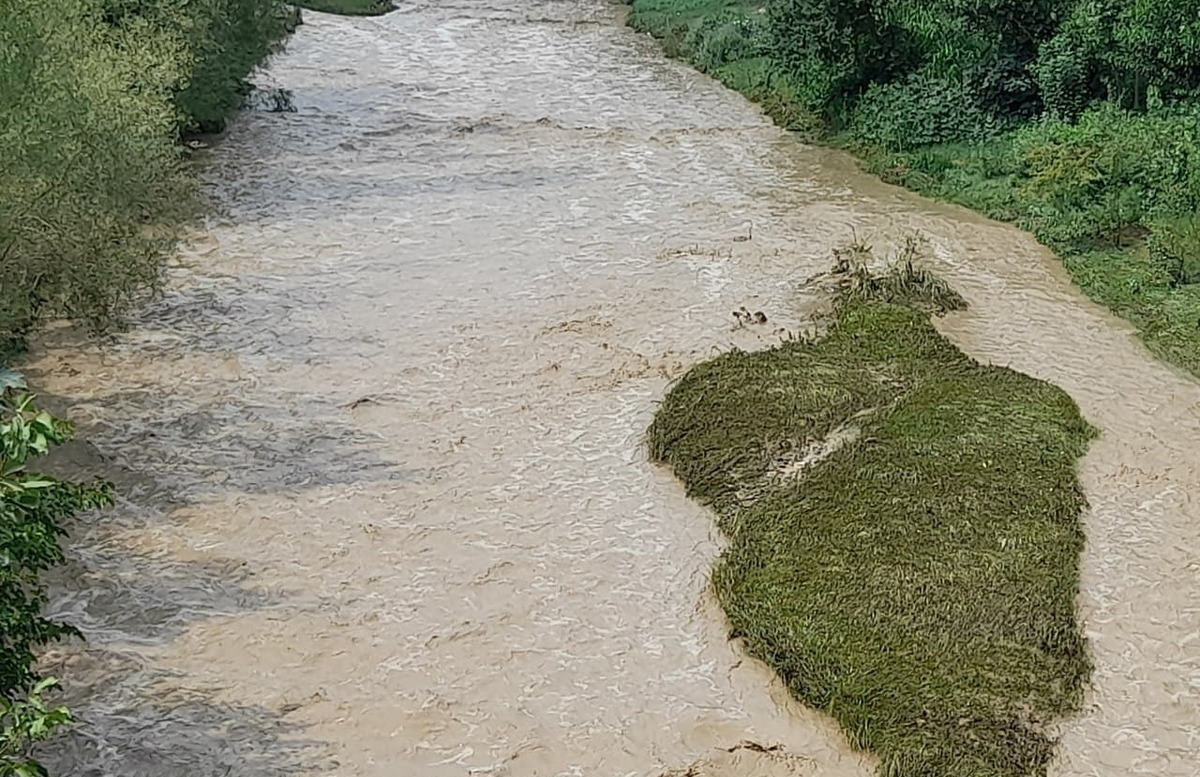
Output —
<point x="904" y="529"/>
<point x="349" y="7"/>
<point x="729" y="40"/>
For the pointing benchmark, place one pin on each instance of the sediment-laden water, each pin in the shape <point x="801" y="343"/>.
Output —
<point x="386" y="507"/>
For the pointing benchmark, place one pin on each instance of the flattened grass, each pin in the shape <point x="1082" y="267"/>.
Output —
<point x="917" y="582"/>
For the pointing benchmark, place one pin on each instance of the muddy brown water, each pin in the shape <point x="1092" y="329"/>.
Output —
<point x="385" y="506"/>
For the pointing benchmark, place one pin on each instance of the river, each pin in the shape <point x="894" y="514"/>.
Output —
<point x="385" y="506"/>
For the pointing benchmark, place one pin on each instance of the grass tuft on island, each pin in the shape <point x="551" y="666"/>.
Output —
<point x="904" y="528"/>
<point x="349" y="7"/>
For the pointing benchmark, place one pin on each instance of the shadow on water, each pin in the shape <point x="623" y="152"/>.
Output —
<point x="135" y="721"/>
<point x="237" y="447"/>
<point x="126" y="596"/>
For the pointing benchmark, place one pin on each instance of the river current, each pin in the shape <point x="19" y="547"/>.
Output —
<point x="385" y="506"/>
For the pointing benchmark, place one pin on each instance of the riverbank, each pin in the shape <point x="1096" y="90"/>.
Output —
<point x="904" y="528"/>
<point x="100" y="109"/>
<point x="97" y="111"/>
<point x="93" y="107"/>
<point x="96" y="102"/>
<point x="1113" y="194"/>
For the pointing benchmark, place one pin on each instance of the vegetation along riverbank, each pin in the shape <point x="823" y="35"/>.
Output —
<point x="904" y="527"/>
<point x="1079" y="120"/>
<point x="96" y="97"/>
<point x="350" y="7"/>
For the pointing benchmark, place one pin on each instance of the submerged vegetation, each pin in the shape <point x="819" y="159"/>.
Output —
<point x="1079" y="120"/>
<point x="904" y="528"/>
<point x="349" y="7"/>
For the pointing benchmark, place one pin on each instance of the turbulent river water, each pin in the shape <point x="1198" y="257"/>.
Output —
<point x="386" y="509"/>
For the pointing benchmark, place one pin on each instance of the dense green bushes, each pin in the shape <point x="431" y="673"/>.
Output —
<point x="1077" y="119"/>
<point x="93" y="97"/>
<point x="920" y="110"/>
<point x="968" y="57"/>
<point x="1012" y="57"/>
<point x="32" y="508"/>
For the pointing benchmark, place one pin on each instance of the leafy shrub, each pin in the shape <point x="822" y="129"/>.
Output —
<point x="93" y="95"/>
<point x="1157" y="46"/>
<point x="918" y="111"/>
<point x="1174" y="246"/>
<point x="24" y="723"/>
<point x="226" y="40"/>
<point x="839" y="48"/>
<point x="1004" y="86"/>
<point x="87" y="138"/>
<point x="1070" y="65"/>
<point x="1099" y="181"/>
<point x="32" y="511"/>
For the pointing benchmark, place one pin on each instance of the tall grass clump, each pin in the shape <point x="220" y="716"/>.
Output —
<point x="903" y="525"/>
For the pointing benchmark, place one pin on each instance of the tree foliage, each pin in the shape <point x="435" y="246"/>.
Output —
<point x="33" y="508"/>
<point x="93" y="97"/>
<point x="1013" y="58"/>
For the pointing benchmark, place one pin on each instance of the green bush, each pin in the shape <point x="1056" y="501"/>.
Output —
<point x="918" y="111"/>
<point x="93" y="96"/>
<point x="33" y="509"/>
<point x="1157" y="49"/>
<point x="1015" y="56"/>
<point x="1099" y="181"/>
<point x="1005" y="86"/>
<point x="87" y="134"/>
<point x="1174" y="248"/>
<point x="1070" y="65"/>
<point x="23" y="723"/>
<point x="226" y="40"/>
<point x="838" y="48"/>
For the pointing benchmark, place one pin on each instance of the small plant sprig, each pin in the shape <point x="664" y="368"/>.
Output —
<point x="24" y="723"/>
<point x="33" y="508"/>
